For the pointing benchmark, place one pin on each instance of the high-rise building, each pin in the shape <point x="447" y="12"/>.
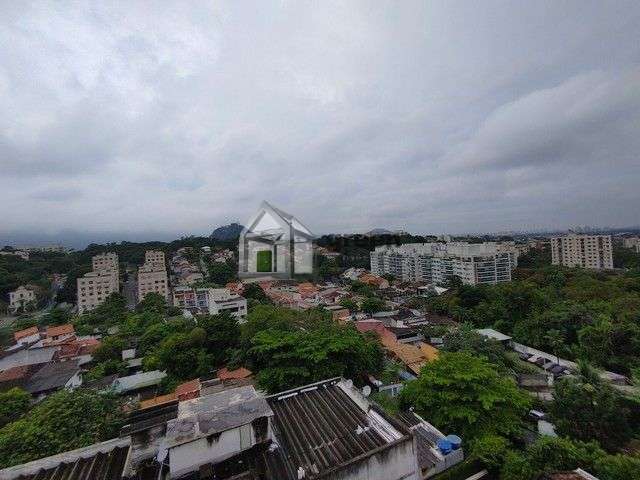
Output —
<point x="154" y="256"/>
<point x="437" y="263"/>
<point x="152" y="276"/>
<point x="587" y="251"/>
<point x="95" y="286"/>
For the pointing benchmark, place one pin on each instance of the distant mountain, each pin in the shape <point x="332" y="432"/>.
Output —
<point x="227" y="233"/>
<point x="378" y="231"/>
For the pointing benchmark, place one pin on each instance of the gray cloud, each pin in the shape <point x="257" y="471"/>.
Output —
<point x="130" y="117"/>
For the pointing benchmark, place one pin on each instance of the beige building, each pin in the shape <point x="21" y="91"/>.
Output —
<point x="95" y="286"/>
<point x="20" y="297"/>
<point x="154" y="256"/>
<point x="632" y="242"/>
<point x="152" y="278"/>
<point x="210" y="301"/>
<point x="105" y="261"/>
<point x="587" y="251"/>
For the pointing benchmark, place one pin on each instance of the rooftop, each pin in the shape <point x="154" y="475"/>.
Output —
<point x="27" y="332"/>
<point x="322" y="428"/>
<point x="52" y="376"/>
<point x="102" y="461"/>
<point x="58" y="330"/>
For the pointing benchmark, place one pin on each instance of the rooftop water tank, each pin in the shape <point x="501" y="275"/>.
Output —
<point x="455" y="441"/>
<point x="444" y="445"/>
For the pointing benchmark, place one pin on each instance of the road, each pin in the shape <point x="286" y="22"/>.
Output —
<point x="129" y="290"/>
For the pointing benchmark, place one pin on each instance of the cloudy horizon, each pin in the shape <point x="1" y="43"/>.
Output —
<point x="135" y="119"/>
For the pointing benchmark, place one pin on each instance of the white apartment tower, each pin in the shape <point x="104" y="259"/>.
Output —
<point x="437" y="263"/>
<point x="152" y="276"/>
<point x="95" y="286"/>
<point x="587" y="251"/>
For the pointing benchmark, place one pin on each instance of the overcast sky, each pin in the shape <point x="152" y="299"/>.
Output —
<point x="134" y="119"/>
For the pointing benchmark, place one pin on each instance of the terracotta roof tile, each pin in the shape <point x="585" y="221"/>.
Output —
<point x="66" y="329"/>
<point x="27" y="332"/>
<point x="225" y="374"/>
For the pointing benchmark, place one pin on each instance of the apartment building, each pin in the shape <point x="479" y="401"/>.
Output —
<point x="20" y="297"/>
<point x="152" y="278"/>
<point x="95" y="286"/>
<point x="437" y="263"/>
<point x="632" y="242"/>
<point x="211" y="301"/>
<point x="154" y="256"/>
<point x="587" y="251"/>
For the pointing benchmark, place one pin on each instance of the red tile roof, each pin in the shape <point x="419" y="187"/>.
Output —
<point x="14" y="373"/>
<point x="27" y="332"/>
<point x="225" y="374"/>
<point x="66" y="329"/>
<point x="187" y="389"/>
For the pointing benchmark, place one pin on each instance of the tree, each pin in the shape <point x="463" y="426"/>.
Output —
<point x="13" y="404"/>
<point x="152" y="303"/>
<point x="222" y="334"/>
<point x="372" y="305"/>
<point x="221" y="273"/>
<point x="490" y="450"/>
<point x="182" y="355"/>
<point x="63" y="421"/>
<point x="110" y="349"/>
<point x="349" y="304"/>
<point x="57" y="316"/>
<point x="289" y="358"/>
<point x="464" y="394"/>
<point x="253" y="291"/>
<point x="466" y="339"/>
<point x="585" y="408"/>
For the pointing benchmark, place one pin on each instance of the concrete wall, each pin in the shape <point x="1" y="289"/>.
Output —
<point x="398" y="462"/>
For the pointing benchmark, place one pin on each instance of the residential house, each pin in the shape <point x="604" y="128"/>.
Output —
<point x="27" y="336"/>
<point x="54" y="376"/>
<point x="58" y="333"/>
<point x="20" y="298"/>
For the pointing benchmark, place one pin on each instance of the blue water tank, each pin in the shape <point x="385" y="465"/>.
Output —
<point x="444" y="445"/>
<point x="455" y="441"/>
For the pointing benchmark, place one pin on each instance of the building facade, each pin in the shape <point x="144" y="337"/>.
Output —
<point x="154" y="256"/>
<point x="152" y="278"/>
<point x="20" y="297"/>
<point x="209" y="301"/>
<point x="94" y="287"/>
<point x="587" y="251"/>
<point x="437" y="263"/>
<point x="632" y="242"/>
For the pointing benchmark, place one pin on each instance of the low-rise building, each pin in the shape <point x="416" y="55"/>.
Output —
<point x="54" y="376"/>
<point x="58" y="333"/>
<point x="27" y="336"/>
<point x="209" y="301"/>
<point x="586" y="251"/>
<point x="20" y="298"/>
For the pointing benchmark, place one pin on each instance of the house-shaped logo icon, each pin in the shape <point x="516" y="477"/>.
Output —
<point x="274" y="244"/>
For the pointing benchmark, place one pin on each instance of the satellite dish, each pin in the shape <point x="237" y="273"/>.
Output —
<point x="366" y="390"/>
